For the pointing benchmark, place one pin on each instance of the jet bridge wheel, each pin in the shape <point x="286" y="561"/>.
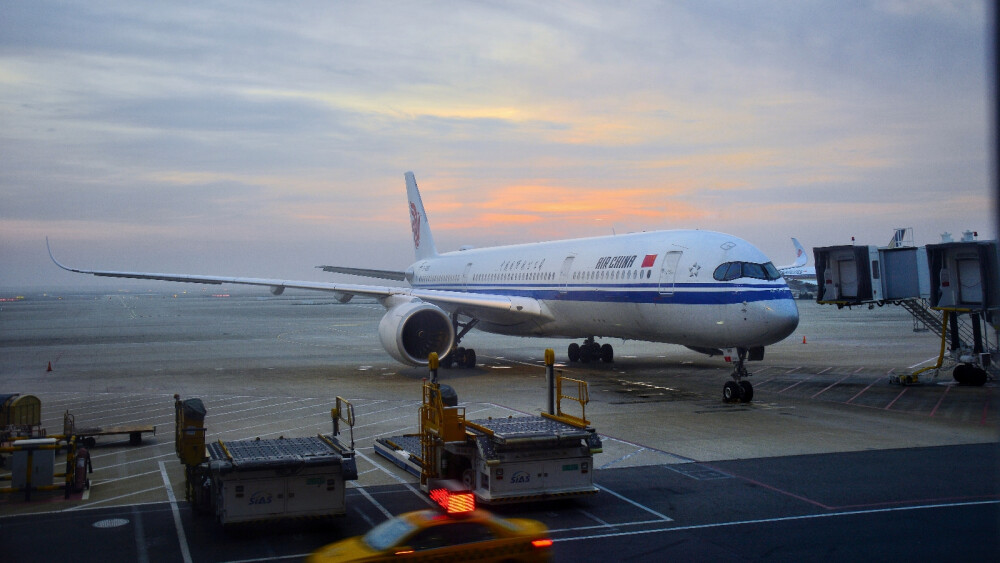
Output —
<point x="968" y="374"/>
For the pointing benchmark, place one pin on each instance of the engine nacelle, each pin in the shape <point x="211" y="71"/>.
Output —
<point x="411" y="331"/>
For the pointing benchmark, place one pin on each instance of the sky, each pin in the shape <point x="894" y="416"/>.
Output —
<point x="263" y="138"/>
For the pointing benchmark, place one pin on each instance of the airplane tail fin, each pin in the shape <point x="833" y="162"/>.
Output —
<point x="800" y="254"/>
<point x="423" y="242"/>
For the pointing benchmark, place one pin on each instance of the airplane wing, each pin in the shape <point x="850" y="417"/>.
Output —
<point x="473" y="304"/>
<point x="365" y="272"/>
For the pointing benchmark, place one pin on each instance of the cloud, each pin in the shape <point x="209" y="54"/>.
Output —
<point x="254" y="125"/>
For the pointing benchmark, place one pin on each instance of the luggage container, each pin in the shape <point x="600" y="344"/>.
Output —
<point x="501" y="460"/>
<point x="259" y="480"/>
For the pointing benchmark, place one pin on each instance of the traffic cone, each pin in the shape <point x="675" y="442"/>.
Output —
<point x="49" y="368"/>
<point x="803" y="339"/>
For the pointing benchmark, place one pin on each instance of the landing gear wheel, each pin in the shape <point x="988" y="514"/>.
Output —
<point x="574" y="352"/>
<point x="747" y="391"/>
<point x="607" y="354"/>
<point x="447" y="361"/>
<point x="731" y="392"/>
<point x="459" y="357"/>
<point x="586" y="354"/>
<point x="470" y="358"/>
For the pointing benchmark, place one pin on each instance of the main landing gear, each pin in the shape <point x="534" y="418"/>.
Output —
<point x="591" y="351"/>
<point x="459" y="356"/>
<point x="738" y="390"/>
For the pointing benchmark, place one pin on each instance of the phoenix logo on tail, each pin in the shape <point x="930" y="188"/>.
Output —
<point x="415" y="224"/>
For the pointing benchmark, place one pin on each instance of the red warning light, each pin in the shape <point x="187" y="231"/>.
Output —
<point x="454" y="502"/>
<point x="542" y="543"/>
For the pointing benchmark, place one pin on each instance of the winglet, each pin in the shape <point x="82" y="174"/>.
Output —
<point x="423" y="242"/>
<point x="49" y="248"/>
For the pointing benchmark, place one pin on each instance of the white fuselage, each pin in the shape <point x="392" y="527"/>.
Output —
<point x="656" y="286"/>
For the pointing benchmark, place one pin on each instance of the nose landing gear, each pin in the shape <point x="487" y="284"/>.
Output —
<point x="738" y="390"/>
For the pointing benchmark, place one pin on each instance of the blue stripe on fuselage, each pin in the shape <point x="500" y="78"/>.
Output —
<point x="683" y="294"/>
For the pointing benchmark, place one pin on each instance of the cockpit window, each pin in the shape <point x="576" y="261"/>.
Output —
<point x="735" y="270"/>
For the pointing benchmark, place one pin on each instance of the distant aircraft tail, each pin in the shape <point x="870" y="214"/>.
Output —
<point x="800" y="256"/>
<point x="423" y="242"/>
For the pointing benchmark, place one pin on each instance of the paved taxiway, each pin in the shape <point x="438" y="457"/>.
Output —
<point x="829" y="458"/>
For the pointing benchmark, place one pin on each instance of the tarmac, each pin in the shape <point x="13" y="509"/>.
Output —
<point x="829" y="459"/>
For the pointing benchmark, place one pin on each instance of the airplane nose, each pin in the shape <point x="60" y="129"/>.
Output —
<point x="782" y="318"/>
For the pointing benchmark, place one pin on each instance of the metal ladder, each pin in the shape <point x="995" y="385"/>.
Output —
<point x="932" y="319"/>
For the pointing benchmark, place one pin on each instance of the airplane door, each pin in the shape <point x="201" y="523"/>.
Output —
<point x="970" y="281"/>
<point x="848" y="271"/>
<point x="465" y="275"/>
<point x="668" y="271"/>
<point x="564" y="274"/>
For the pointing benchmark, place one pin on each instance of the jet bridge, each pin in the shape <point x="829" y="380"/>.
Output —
<point x="953" y="288"/>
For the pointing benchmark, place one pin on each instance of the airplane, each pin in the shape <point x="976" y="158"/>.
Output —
<point x="798" y="270"/>
<point x="708" y="291"/>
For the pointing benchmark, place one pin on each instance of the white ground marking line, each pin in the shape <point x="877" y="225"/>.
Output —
<point x="605" y="526"/>
<point x="81" y="509"/>
<point x="596" y="519"/>
<point x="374" y="502"/>
<point x="185" y="552"/>
<point x="402" y="481"/>
<point x="780" y="519"/>
<point x="934" y="359"/>
<point x="96" y="502"/>
<point x="380" y="434"/>
<point x="107" y="481"/>
<point x="143" y="460"/>
<point x="622" y="458"/>
<point x="142" y="555"/>
<point x="664" y="517"/>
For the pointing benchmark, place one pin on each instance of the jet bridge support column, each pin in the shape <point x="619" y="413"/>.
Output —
<point x="550" y="379"/>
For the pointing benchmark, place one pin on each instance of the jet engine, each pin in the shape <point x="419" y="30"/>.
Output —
<point x="411" y="331"/>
